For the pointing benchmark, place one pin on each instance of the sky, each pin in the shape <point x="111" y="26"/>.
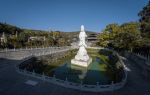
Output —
<point x="69" y="15"/>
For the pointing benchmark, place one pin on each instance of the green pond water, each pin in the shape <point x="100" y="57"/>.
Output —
<point x="99" y="70"/>
<point x="96" y="72"/>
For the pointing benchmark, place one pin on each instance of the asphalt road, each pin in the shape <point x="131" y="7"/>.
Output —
<point x="13" y="83"/>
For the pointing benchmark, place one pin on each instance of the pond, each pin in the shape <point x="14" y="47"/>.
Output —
<point x="96" y="72"/>
<point x="91" y="75"/>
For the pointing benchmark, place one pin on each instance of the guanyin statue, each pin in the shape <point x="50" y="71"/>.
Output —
<point x="82" y="58"/>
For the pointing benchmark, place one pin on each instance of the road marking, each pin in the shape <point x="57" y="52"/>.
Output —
<point x="31" y="82"/>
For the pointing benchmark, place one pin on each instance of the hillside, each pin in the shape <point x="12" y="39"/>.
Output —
<point x="16" y="37"/>
<point x="9" y="29"/>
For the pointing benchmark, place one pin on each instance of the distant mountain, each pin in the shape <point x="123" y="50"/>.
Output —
<point x="11" y="29"/>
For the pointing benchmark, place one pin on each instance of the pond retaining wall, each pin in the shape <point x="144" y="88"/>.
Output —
<point x="78" y="86"/>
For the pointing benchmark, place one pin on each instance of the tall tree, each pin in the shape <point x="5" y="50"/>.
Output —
<point x="120" y="36"/>
<point x="113" y="29"/>
<point x="145" y="21"/>
<point x="103" y="38"/>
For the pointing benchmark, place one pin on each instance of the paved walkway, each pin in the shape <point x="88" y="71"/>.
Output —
<point x="13" y="83"/>
<point x="136" y="83"/>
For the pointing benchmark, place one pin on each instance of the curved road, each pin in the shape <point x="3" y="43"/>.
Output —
<point x="13" y="83"/>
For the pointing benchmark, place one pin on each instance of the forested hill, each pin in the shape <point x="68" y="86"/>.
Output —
<point x="16" y="37"/>
<point x="11" y="29"/>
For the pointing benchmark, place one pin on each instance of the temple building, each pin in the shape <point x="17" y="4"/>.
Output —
<point x="92" y="37"/>
<point x="38" y="38"/>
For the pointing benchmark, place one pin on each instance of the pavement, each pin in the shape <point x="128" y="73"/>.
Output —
<point x="13" y="83"/>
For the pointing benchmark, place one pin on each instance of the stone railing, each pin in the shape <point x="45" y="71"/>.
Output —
<point x="26" y="49"/>
<point x="141" y="62"/>
<point x="78" y="86"/>
<point x="146" y="58"/>
<point x="23" y="53"/>
<point x="138" y="58"/>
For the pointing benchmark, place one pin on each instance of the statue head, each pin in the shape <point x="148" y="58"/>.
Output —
<point x="82" y="28"/>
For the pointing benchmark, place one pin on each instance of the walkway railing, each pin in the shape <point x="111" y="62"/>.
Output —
<point x="134" y="56"/>
<point x="25" y="49"/>
<point x="79" y="86"/>
<point x="23" y="53"/>
<point x="146" y="58"/>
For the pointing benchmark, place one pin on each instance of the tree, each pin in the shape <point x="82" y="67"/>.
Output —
<point x="128" y="37"/>
<point x="103" y="38"/>
<point x="145" y="21"/>
<point x="9" y="29"/>
<point x="13" y="42"/>
<point x="23" y="38"/>
<point x="125" y="40"/>
<point x="114" y="29"/>
<point x="120" y="36"/>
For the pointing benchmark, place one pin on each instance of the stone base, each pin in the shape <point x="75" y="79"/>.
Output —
<point x="81" y="63"/>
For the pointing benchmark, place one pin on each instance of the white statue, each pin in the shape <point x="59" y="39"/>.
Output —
<point x="82" y="58"/>
<point x="82" y="37"/>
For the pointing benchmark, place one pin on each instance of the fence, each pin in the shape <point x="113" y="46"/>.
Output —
<point x="138" y="58"/>
<point x="142" y="63"/>
<point x="24" y="49"/>
<point x="142" y="56"/>
<point x="22" y="53"/>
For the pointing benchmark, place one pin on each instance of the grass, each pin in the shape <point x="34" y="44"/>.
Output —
<point x="94" y="53"/>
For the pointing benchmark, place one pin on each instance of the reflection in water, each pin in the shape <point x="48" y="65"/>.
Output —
<point x="83" y="70"/>
<point x="90" y="75"/>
